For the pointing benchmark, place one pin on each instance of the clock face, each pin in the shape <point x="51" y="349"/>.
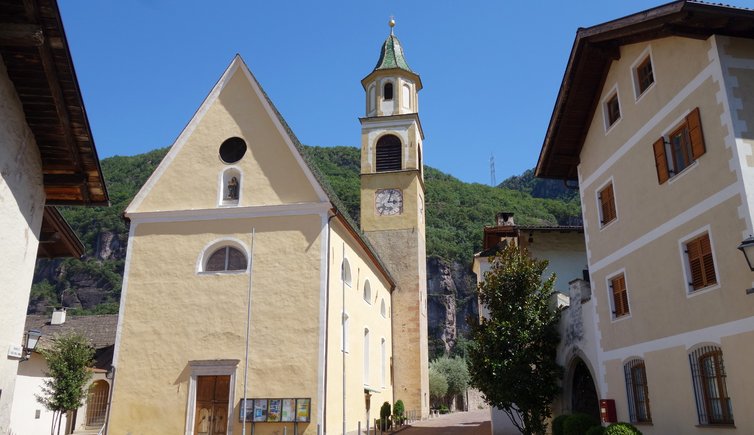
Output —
<point x="389" y="202"/>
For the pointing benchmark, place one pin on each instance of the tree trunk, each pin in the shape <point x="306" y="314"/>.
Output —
<point x="60" y="420"/>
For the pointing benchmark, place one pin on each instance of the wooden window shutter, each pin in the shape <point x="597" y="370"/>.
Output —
<point x="661" y="161"/>
<point x="693" y="120"/>
<point x="620" y="295"/>
<point x="701" y="262"/>
<point x="607" y="204"/>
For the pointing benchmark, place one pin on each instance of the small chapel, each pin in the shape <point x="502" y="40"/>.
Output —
<point x="251" y="301"/>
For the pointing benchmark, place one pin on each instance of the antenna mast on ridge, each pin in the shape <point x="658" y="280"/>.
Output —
<point x="493" y="181"/>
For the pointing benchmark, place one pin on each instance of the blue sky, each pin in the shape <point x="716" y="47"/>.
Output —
<point x="490" y="69"/>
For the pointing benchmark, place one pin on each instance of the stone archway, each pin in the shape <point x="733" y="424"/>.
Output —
<point x="584" y="397"/>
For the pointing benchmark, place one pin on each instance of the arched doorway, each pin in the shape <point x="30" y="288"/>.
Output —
<point x="96" y="404"/>
<point x="583" y="393"/>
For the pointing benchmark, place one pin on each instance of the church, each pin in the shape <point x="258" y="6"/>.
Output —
<point x="251" y="301"/>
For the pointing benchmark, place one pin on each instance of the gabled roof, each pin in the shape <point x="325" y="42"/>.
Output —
<point x="100" y="330"/>
<point x="594" y="49"/>
<point x="35" y="52"/>
<point x="324" y="190"/>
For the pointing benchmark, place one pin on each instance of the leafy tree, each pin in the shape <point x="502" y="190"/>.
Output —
<point x="69" y="358"/>
<point x="438" y="385"/>
<point x="456" y="374"/>
<point x="513" y="359"/>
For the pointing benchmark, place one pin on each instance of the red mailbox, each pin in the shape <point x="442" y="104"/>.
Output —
<point x="607" y="411"/>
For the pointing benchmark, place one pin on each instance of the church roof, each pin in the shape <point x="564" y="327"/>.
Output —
<point x="391" y="55"/>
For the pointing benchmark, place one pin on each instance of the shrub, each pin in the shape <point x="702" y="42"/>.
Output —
<point x="622" y="429"/>
<point x="385" y="416"/>
<point x="444" y="409"/>
<point x="578" y="424"/>
<point x="557" y="424"/>
<point x="399" y="408"/>
<point x="596" y="430"/>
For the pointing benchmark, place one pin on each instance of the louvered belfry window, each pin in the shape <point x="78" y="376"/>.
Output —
<point x="701" y="262"/>
<point x="388" y="153"/>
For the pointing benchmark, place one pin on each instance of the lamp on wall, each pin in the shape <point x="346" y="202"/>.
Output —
<point x="747" y="247"/>
<point x="32" y="339"/>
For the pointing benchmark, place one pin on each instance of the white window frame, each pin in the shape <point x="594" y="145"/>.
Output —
<point x="688" y="291"/>
<point x="603" y="103"/>
<point x="599" y="203"/>
<point x="610" y="299"/>
<point x="221" y="201"/>
<point x="367" y="297"/>
<point x="645" y="54"/>
<point x="344" y="323"/>
<point x="211" y="247"/>
<point x="345" y="272"/>
<point x="367" y="334"/>
<point x="220" y="367"/>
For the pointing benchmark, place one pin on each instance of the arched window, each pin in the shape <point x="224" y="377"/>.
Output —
<point x="383" y="361"/>
<point x="383" y="309"/>
<point x="387" y="91"/>
<point x="96" y="403"/>
<point x="710" y="387"/>
<point x="366" y="356"/>
<point x="388" y="153"/>
<point x="372" y="98"/>
<point x="406" y="96"/>
<point x="226" y="259"/>
<point x="345" y="272"/>
<point x="637" y="391"/>
<point x="367" y="292"/>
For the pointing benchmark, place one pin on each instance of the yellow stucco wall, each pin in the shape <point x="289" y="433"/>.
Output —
<point x="269" y="171"/>
<point x="361" y="315"/>
<point x="174" y="314"/>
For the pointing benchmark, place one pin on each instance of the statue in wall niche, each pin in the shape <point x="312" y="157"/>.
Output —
<point x="233" y="189"/>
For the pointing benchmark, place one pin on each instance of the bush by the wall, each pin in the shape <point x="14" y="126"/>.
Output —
<point x="622" y="429"/>
<point x="596" y="430"/>
<point x="385" y="416"/>
<point x="578" y="424"/>
<point x="557" y="424"/>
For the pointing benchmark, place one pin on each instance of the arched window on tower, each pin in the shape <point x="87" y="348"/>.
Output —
<point x="387" y="91"/>
<point x="388" y="153"/>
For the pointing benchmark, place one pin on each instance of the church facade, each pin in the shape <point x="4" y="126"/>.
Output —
<point x="249" y="294"/>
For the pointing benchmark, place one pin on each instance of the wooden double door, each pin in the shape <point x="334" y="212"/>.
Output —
<point x="211" y="414"/>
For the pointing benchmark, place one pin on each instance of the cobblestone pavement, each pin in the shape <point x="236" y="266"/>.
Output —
<point x="457" y="423"/>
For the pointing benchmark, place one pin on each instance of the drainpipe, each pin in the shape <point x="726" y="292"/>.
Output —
<point x="327" y="319"/>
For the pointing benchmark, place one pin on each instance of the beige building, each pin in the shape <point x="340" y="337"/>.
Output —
<point x="563" y="247"/>
<point x="245" y="278"/>
<point x="47" y="158"/>
<point x="31" y="417"/>
<point x="653" y="122"/>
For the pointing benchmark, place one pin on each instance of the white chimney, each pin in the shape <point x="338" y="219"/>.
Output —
<point x="58" y="317"/>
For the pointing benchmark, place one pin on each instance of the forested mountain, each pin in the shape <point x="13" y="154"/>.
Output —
<point x="456" y="212"/>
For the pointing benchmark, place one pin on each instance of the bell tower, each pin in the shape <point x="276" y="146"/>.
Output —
<point x="392" y="211"/>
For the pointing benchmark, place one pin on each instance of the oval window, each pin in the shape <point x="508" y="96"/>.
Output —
<point x="232" y="150"/>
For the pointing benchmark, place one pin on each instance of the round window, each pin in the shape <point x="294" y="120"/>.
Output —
<point x="232" y="150"/>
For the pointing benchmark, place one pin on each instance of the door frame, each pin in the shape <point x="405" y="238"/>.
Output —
<point x="217" y="367"/>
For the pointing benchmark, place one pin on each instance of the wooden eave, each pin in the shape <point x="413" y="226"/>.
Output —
<point x="593" y="51"/>
<point x="35" y="52"/>
<point x="56" y="237"/>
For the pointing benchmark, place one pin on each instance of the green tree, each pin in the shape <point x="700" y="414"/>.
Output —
<point x="513" y="359"/>
<point x="456" y="374"/>
<point x="438" y="385"/>
<point x="69" y="358"/>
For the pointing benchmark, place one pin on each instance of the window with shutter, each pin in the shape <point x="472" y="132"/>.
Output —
<point x="682" y="147"/>
<point x="701" y="263"/>
<point x="620" y="296"/>
<point x="388" y="153"/>
<point x="607" y="205"/>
